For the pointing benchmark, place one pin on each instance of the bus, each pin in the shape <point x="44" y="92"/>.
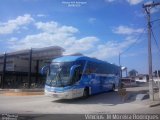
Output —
<point x="79" y="76"/>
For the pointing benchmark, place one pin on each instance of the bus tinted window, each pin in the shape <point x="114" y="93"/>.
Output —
<point x="91" y="68"/>
<point x="101" y="68"/>
<point x="78" y="71"/>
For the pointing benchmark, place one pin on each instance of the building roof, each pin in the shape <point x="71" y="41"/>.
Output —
<point x="37" y="53"/>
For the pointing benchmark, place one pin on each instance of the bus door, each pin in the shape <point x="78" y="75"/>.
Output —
<point x="107" y="83"/>
<point x="111" y="81"/>
<point x="103" y="83"/>
<point x="96" y="83"/>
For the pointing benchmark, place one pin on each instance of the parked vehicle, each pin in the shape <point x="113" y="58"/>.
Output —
<point x="128" y="82"/>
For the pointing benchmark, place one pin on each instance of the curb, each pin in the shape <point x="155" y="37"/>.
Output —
<point x="21" y="92"/>
<point x="140" y="97"/>
<point x="154" y="104"/>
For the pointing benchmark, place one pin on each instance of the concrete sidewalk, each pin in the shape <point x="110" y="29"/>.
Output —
<point x="21" y="92"/>
<point x="156" y="101"/>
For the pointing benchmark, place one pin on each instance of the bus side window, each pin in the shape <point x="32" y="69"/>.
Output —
<point x="81" y="63"/>
<point x="91" y="68"/>
<point x="77" y="75"/>
<point x="87" y="71"/>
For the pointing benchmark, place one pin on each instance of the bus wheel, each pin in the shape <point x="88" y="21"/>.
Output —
<point x="113" y="87"/>
<point x="86" y="93"/>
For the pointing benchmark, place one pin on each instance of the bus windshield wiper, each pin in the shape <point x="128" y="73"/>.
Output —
<point x="59" y="77"/>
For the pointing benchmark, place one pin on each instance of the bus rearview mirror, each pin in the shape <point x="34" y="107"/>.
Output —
<point x="73" y="69"/>
<point x="45" y="69"/>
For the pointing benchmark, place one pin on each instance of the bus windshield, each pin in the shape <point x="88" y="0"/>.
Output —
<point x="59" y="74"/>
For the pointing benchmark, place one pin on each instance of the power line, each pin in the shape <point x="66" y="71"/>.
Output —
<point x="155" y="20"/>
<point x="138" y="38"/>
<point x="155" y="40"/>
<point x="130" y="47"/>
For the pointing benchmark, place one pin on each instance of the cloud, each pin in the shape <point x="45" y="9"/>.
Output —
<point x="71" y="44"/>
<point x="111" y="48"/>
<point x="54" y="27"/>
<point x="125" y="30"/>
<point x="134" y="2"/>
<point x="52" y="33"/>
<point x="83" y="45"/>
<point x="155" y="9"/>
<point x="13" y="25"/>
<point x="90" y="45"/>
<point x="139" y="13"/>
<point x="109" y="0"/>
<point x="13" y="39"/>
<point x="91" y="20"/>
<point x="41" y="15"/>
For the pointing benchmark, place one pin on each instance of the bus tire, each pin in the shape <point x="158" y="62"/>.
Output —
<point x="86" y="93"/>
<point x="113" y="87"/>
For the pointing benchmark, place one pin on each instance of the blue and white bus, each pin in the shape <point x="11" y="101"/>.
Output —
<point x="80" y="76"/>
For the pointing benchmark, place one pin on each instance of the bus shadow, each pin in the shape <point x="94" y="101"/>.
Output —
<point x="109" y="99"/>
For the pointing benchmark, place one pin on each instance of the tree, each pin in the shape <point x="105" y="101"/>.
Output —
<point x="133" y="73"/>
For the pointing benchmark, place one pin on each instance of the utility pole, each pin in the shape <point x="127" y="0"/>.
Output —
<point x="120" y="74"/>
<point x="4" y="70"/>
<point x="158" y="80"/>
<point x="30" y="68"/>
<point x="119" y="59"/>
<point x="147" y="8"/>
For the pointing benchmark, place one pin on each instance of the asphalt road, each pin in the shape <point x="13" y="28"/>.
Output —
<point x="102" y="103"/>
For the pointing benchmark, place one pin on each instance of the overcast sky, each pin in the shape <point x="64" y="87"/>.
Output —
<point x="96" y="28"/>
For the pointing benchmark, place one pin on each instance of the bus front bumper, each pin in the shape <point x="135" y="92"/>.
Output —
<point x="65" y="95"/>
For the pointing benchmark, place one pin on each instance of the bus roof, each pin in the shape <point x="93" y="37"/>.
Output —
<point x="67" y="58"/>
<point x="74" y="58"/>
